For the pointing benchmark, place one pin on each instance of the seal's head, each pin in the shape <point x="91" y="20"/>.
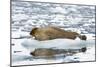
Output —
<point x="33" y="31"/>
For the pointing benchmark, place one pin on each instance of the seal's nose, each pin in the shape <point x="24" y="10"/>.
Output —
<point x="30" y="33"/>
<point x="32" y="53"/>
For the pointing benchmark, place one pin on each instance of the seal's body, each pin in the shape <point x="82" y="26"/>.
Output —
<point x="48" y="33"/>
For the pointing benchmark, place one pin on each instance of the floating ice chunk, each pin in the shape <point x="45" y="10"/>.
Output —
<point x="57" y="44"/>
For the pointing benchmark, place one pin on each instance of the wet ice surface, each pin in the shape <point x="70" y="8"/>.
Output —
<point x="57" y="44"/>
<point x="26" y="15"/>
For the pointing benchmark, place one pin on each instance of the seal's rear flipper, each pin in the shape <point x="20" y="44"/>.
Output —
<point x="83" y="49"/>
